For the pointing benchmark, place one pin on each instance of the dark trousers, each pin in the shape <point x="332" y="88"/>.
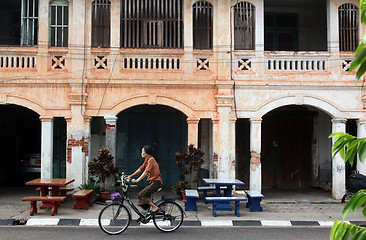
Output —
<point x="144" y="197"/>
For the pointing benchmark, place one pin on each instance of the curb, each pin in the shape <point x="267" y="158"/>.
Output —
<point x="203" y="223"/>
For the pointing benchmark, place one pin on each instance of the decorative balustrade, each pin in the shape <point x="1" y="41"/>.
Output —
<point x="17" y="62"/>
<point x="155" y="63"/>
<point x="300" y="62"/>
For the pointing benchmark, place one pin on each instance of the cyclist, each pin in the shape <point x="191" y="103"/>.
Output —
<point x="149" y="168"/>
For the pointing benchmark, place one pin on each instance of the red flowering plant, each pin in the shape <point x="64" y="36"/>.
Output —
<point x="188" y="164"/>
<point x="103" y="166"/>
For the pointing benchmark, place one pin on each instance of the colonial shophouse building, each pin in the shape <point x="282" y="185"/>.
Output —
<point x="258" y="85"/>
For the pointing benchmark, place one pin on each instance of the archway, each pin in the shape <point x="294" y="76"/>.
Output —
<point x="163" y="127"/>
<point x="295" y="148"/>
<point x="20" y="131"/>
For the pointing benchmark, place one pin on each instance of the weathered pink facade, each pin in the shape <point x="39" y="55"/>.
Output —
<point x="221" y="84"/>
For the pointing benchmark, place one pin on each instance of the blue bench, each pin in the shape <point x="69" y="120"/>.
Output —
<point x="217" y="200"/>
<point x="206" y="189"/>
<point x="254" y="200"/>
<point x="191" y="196"/>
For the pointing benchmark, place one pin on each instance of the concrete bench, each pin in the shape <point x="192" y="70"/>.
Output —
<point x="254" y="200"/>
<point x="191" y="196"/>
<point x="83" y="199"/>
<point x="53" y="201"/>
<point x="206" y="189"/>
<point x="62" y="190"/>
<point x="216" y="200"/>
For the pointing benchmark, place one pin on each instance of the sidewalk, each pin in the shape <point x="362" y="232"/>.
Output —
<point x="280" y="208"/>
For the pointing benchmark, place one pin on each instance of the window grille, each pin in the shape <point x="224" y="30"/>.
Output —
<point x="29" y="24"/>
<point x="101" y="22"/>
<point x="244" y="31"/>
<point x="59" y="23"/>
<point x="202" y="25"/>
<point x="348" y="15"/>
<point x="151" y="23"/>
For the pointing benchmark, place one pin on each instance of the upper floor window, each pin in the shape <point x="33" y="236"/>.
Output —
<point x="101" y="22"/>
<point x="29" y="23"/>
<point x="202" y="25"/>
<point x="151" y="24"/>
<point x="244" y="30"/>
<point x="59" y="23"/>
<point x="348" y="27"/>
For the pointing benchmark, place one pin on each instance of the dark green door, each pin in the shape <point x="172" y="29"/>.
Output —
<point x="59" y="148"/>
<point x="163" y="127"/>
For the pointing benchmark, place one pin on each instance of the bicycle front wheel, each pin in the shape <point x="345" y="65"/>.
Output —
<point x="170" y="218"/>
<point x="114" y="218"/>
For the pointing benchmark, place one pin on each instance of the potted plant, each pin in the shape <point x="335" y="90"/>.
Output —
<point x="189" y="163"/>
<point x="104" y="168"/>
<point x="180" y="187"/>
<point x="91" y="185"/>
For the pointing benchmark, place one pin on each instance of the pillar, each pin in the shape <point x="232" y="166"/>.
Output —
<point x="111" y="135"/>
<point x="215" y="148"/>
<point x="47" y="147"/>
<point x="193" y="131"/>
<point x="255" y="179"/>
<point x="225" y="158"/>
<point x="333" y="39"/>
<point x="361" y="133"/>
<point x="338" y="165"/>
<point x="43" y="31"/>
<point x="260" y="65"/>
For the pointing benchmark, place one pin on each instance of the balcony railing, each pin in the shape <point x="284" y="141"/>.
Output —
<point x="299" y="62"/>
<point x="17" y="62"/>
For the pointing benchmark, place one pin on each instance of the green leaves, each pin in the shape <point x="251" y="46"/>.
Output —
<point x="356" y="201"/>
<point x="342" y="230"/>
<point x="348" y="147"/>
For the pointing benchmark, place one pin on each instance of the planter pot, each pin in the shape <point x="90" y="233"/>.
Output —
<point x="105" y="196"/>
<point x="184" y="196"/>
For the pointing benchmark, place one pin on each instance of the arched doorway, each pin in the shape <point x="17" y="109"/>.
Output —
<point x="20" y="131"/>
<point x="296" y="149"/>
<point x="163" y="127"/>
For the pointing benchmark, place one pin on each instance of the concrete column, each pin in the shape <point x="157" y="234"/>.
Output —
<point x="225" y="158"/>
<point x="221" y="40"/>
<point x="114" y="64"/>
<point x="338" y="165"/>
<point x="188" y="65"/>
<point x="232" y="145"/>
<point x="78" y="129"/>
<point x="255" y="179"/>
<point x="193" y="131"/>
<point x="333" y="39"/>
<point x="361" y="133"/>
<point x="259" y="67"/>
<point x="214" y="164"/>
<point x="43" y="31"/>
<point x="111" y="134"/>
<point x="47" y="147"/>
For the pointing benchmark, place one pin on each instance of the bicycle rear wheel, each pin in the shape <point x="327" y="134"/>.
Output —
<point x="114" y="218"/>
<point x="170" y="218"/>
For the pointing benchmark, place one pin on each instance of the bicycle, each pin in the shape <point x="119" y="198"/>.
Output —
<point x="116" y="217"/>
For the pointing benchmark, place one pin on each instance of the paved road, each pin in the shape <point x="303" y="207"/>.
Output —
<point x="186" y="233"/>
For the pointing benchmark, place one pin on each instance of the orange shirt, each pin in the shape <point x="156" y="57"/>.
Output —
<point x="152" y="168"/>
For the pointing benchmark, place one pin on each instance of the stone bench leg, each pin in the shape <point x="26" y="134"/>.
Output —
<point x="82" y="203"/>
<point x="33" y="209"/>
<point x="214" y="204"/>
<point x="237" y="206"/>
<point x="191" y="204"/>
<point x="54" y="209"/>
<point x="254" y="204"/>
